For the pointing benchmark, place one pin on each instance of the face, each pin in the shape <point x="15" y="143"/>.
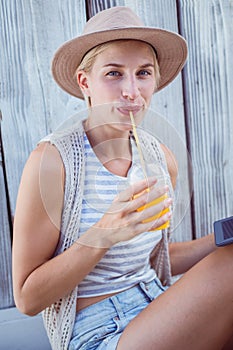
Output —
<point x="122" y="79"/>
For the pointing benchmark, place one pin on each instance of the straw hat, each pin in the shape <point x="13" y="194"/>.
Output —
<point x="113" y="24"/>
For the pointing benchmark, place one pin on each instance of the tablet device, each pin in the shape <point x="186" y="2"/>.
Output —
<point x="223" y="231"/>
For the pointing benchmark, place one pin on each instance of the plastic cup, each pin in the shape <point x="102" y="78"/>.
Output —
<point x="151" y="170"/>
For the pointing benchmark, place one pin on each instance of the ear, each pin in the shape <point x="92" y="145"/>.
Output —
<point x="82" y="81"/>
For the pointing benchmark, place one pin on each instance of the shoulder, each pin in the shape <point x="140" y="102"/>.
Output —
<point x="42" y="183"/>
<point x="45" y="158"/>
<point x="44" y="174"/>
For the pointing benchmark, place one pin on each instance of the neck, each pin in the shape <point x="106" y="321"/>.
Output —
<point x="108" y="140"/>
<point x="112" y="147"/>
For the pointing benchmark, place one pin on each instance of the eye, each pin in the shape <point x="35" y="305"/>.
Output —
<point x="113" y="73"/>
<point x="144" y="72"/>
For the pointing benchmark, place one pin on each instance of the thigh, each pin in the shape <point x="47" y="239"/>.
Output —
<point x="229" y="343"/>
<point x="195" y="313"/>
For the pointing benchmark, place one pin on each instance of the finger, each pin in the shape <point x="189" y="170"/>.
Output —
<point x="153" y="210"/>
<point x="157" y="224"/>
<point x="136" y="188"/>
<point x="161" y="223"/>
<point x="149" y="198"/>
<point x="146" y="199"/>
<point x="153" y="196"/>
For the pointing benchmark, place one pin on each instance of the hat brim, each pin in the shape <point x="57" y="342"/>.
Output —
<point x="171" y="51"/>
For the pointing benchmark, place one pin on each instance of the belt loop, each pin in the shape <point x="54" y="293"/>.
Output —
<point x="117" y="306"/>
<point x="146" y="289"/>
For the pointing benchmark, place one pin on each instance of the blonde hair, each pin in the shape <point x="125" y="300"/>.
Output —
<point x="89" y="59"/>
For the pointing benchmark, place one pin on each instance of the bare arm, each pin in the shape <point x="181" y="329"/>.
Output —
<point x="186" y="254"/>
<point x="39" y="279"/>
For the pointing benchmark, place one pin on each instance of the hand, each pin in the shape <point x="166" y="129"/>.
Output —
<point x="122" y="221"/>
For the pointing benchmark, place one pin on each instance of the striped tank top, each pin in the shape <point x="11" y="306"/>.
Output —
<point x="126" y="263"/>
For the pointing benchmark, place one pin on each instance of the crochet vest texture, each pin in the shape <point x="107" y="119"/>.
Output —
<point x="59" y="317"/>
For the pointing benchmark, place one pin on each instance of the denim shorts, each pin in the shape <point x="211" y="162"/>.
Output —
<point x="99" y="326"/>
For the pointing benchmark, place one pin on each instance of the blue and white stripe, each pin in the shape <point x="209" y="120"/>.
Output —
<point x="126" y="263"/>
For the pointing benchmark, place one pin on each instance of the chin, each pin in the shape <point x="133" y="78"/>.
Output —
<point x="123" y="126"/>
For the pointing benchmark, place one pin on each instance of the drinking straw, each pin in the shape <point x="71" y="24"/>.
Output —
<point x="157" y="200"/>
<point x="138" y="144"/>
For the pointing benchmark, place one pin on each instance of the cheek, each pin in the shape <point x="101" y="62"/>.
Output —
<point x="148" y="91"/>
<point x="105" y="92"/>
<point x="152" y="86"/>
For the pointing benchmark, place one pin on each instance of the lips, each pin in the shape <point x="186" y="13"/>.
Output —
<point x="126" y="109"/>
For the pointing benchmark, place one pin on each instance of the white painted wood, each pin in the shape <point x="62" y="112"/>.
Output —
<point x="208" y="27"/>
<point x="31" y="102"/>
<point x="6" y="297"/>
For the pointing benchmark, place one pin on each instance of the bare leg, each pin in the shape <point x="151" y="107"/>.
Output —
<point x="196" y="313"/>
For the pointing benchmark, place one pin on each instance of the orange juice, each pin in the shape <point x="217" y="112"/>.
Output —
<point x="149" y="170"/>
<point x="156" y="216"/>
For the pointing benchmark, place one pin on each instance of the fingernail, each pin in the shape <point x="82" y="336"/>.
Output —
<point x="168" y="201"/>
<point x="154" y="179"/>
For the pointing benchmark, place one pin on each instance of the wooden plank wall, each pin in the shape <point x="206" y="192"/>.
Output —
<point x="6" y="295"/>
<point x="193" y="115"/>
<point x="31" y="104"/>
<point x="208" y="91"/>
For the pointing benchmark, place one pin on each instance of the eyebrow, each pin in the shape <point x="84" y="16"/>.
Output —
<point x="146" y="65"/>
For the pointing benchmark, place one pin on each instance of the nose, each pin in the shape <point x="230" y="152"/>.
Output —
<point x="130" y="89"/>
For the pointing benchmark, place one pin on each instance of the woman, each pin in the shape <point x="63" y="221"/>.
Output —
<point x="85" y="255"/>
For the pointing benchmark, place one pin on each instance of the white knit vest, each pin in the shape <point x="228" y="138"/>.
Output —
<point x="59" y="317"/>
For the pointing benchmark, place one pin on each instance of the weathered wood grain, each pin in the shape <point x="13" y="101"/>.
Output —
<point x="6" y="297"/>
<point x="32" y="104"/>
<point x="208" y="27"/>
